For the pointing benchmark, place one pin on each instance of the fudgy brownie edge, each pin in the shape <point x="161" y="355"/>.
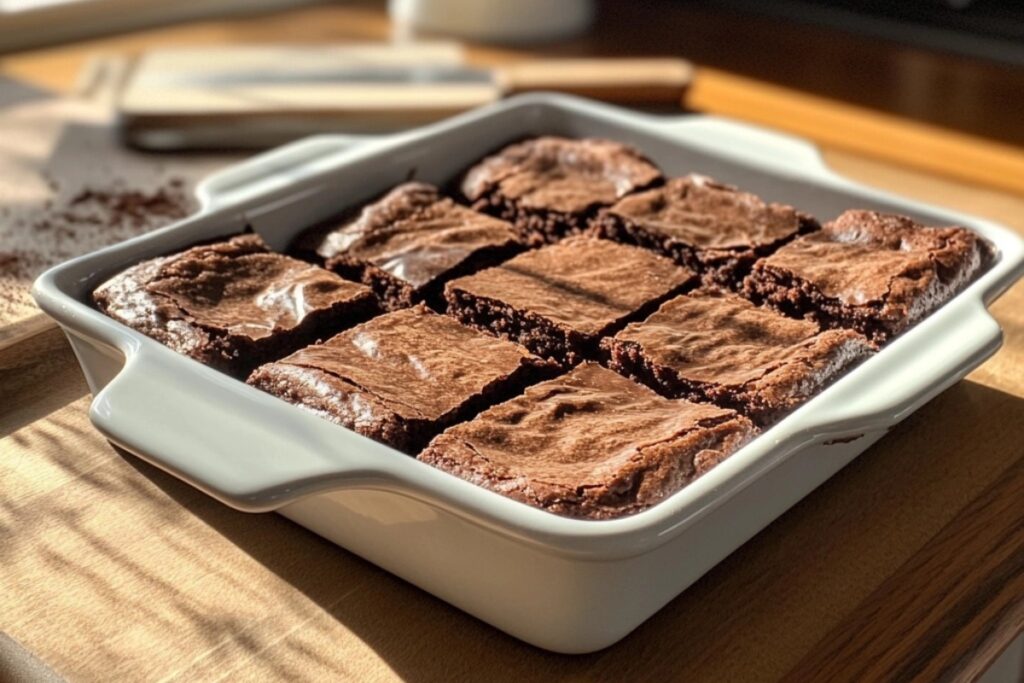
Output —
<point x="589" y="444"/>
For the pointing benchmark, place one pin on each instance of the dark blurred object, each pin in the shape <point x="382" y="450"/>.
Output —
<point x="988" y="29"/>
<point x="14" y="92"/>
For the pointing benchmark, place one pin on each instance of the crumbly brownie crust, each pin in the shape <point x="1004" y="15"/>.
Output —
<point x="589" y="444"/>
<point x="550" y="187"/>
<point x="705" y="225"/>
<point x="719" y="347"/>
<point x="233" y="304"/>
<point x="558" y="301"/>
<point x="402" y="377"/>
<point x="409" y="242"/>
<point x="871" y="272"/>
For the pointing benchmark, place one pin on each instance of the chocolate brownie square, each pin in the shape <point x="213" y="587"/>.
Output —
<point x="550" y="187"/>
<point x="872" y="272"/>
<point x="558" y="301"/>
<point x="589" y="444"/>
<point x="407" y="244"/>
<point x="718" y="347"/>
<point x="233" y="304"/>
<point x="712" y="228"/>
<point x="402" y="377"/>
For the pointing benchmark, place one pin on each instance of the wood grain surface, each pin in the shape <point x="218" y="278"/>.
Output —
<point x="845" y="126"/>
<point x="904" y="566"/>
<point x="112" y="568"/>
<point x="974" y="603"/>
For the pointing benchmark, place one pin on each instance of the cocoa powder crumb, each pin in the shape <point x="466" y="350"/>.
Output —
<point x="132" y="207"/>
<point x="69" y="224"/>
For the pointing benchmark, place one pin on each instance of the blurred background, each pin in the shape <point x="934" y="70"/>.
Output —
<point x="951" y="62"/>
<point x="111" y="110"/>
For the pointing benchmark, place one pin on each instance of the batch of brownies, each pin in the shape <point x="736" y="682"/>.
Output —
<point x="568" y="328"/>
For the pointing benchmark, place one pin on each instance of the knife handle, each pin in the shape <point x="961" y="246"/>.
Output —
<point x="628" y="81"/>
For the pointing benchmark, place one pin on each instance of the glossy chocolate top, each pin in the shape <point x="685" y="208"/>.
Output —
<point x="590" y="443"/>
<point x="415" y="234"/>
<point x="865" y="257"/>
<point x="412" y="362"/>
<point x="703" y="213"/>
<point x="560" y="174"/>
<point x="236" y="288"/>
<point x="583" y="283"/>
<point x="713" y="337"/>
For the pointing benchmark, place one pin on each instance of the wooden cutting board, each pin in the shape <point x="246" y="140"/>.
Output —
<point x="261" y="95"/>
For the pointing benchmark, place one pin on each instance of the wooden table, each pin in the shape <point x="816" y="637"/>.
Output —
<point x="909" y="564"/>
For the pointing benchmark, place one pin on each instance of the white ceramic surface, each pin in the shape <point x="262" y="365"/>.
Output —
<point x="522" y="21"/>
<point x="562" y="584"/>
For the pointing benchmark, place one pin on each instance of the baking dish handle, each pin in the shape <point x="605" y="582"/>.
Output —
<point x="178" y="422"/>
<point x="746" y="141"/>
<point x="255" y="176"/>
<point x="887" y="388"/>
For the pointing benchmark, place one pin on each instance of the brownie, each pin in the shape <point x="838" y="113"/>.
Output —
<point x="550" y="187"/>
<point x="715" y="229"/>
<point x="408" y="243"/>
<point x="589" y="444"/>
<point x="233" y="304"/>
<point x="559" y="300"/>
<point x="719" y="347"/>
<point x="402" y="377"/>
<point x="872" y="272"/>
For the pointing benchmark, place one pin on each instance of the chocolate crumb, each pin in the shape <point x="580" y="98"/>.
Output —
<point x="126" y="206"/>
<point x="72" y="223"/>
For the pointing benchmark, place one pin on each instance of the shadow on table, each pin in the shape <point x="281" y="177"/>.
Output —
<point x="14" y="92"/>
<point x="757" y="613"/>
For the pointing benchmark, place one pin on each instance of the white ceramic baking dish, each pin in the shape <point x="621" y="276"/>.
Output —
<point x="562" y="584"/>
